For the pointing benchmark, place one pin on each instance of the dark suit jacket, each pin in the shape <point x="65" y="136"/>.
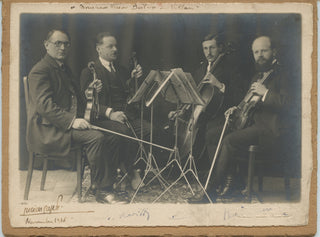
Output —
<point x="55" y="100"/>
<point x="227" y="73"/>
<point x="104" y="75"/>
<point x="271" y="113"/>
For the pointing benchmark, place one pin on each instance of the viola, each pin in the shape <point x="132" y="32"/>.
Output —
<point x="92" y="108"/>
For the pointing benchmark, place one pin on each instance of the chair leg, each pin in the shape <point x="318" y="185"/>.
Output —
<point x="287" y="188"/>
<point x="78" y="157"/>
<point x="260" y="181"/>
<point x="44" y="173"/>
<point x="29" y="176"/>
<point x="250" y="173"/>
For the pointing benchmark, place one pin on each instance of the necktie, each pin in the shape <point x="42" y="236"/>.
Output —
<point x="63" y="67"/>
<point x="112" y="68"/>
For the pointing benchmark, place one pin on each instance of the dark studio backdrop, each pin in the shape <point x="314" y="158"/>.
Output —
<point x="165" y="41"/>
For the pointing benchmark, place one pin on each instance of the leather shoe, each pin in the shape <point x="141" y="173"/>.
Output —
<point x="201" y="199"/>
<point x="136" y="180"/>
<point x="228" y="187"/>
<point x="109" y="198"/>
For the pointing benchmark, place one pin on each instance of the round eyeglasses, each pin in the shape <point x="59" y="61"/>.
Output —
<point x="58" y="44"/>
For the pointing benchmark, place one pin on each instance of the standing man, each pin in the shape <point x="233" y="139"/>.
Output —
<point x="55" y="114"/>
<point x="114" y="112"/>
<point x="268" y="118"/>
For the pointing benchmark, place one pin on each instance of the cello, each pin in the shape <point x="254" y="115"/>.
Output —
<point x="92" y="109"/>
<point x="213" y="100"/>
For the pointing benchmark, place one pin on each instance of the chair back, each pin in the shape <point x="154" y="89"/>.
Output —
<point x="26" y="90"/>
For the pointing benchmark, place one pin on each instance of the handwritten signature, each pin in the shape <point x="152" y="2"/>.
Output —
<point x="266" y="213"/>
<point x="140" y="213"/>
<point x="46" y="209"/>
<point x="144" y="213"/>
<point x="55" y="208"/>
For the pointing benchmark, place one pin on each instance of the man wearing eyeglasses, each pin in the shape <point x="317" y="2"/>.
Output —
<point x="55" y="115"/>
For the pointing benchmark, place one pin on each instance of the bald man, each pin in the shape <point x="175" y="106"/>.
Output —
<point x="267" y="122"/>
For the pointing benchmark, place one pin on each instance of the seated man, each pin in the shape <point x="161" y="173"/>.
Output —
<point x="219" y="73"/>
<point x="55" y="114"/>
<point x="114" y="113"/>
<point x="267" y="125"/>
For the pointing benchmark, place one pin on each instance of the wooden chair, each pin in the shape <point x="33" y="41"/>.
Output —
<point x="32" y="155"/>
<point x="258" y="160"/>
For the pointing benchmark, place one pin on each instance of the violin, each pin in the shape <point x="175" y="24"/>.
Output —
<point x="243" y="113"/>
<point x="133" y="88"/>
<point x="92" y="108"/>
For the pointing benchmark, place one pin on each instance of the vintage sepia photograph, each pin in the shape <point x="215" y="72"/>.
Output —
<point x="150" y="114"/>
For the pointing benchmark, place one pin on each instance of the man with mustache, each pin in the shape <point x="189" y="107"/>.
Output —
<point x="220" y="74"/>
<point x="267" y="120"/>
<point x="55" y="114"/>
<point x="114" y="113"/>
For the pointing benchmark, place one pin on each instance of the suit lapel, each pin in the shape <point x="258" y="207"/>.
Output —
<point x="120" y="77"/>
<point x="63" y="77"/>
<point x="102" y="75"/>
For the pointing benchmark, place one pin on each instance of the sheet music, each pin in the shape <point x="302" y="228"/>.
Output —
<point x="180" y="87"/>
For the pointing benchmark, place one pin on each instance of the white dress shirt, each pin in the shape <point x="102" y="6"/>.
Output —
<point x="109" y="66"/>
<point x="223" y="88"/>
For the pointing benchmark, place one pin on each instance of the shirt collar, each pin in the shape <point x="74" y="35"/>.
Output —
<point x="105" y="63"/>
<point x="59" y="63"/>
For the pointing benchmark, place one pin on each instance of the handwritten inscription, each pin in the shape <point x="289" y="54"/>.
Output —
<point x="47" y="220"/>
<point x="136" y="6"/>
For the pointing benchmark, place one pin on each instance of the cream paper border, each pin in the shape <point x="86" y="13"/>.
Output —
<point x="290" y="214"/>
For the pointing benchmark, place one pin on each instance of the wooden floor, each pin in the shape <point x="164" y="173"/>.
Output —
<point x="64" y="182"/>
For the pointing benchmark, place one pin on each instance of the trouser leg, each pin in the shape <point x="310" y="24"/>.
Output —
<point x="120" y="151"/>
<point x="94" y="143"/>
<point x="233" y="144"/>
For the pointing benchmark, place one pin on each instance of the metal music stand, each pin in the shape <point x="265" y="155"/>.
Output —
<point x="147" y="87"/>
<point x="179" y="87"/>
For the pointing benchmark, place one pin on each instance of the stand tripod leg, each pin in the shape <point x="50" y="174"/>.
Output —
<point x="149" y="168"/>
<point x="167" y="189"/>
<point x="151" y="165"/>
<point x="198" y="181"/>
<point x="157" y="174"/>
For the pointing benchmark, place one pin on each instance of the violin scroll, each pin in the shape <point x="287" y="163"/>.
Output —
<point x="92" y="108"/>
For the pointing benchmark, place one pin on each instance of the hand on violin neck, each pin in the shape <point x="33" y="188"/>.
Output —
<point x="137" y="72"/>
<point x="258" y="88"/>
<point x="97" y="85"/>
<point x="80" y="124"/>
<point x="118" y="116"/>
<point x="212" y="80"/>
